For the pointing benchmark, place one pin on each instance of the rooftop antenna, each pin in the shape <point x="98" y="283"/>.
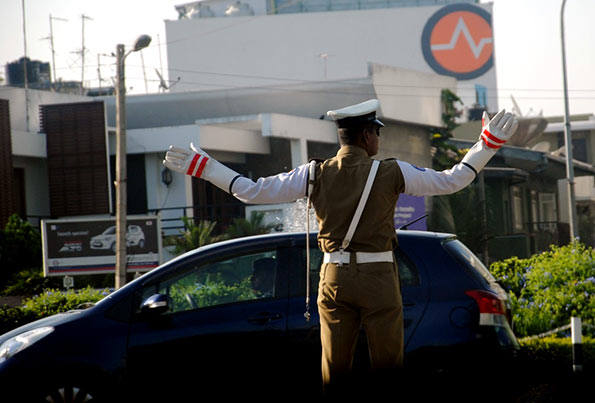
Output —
<point x="25" y="69"/>
<point x="516" y="107"/>
<point x="160" y="58"/>
<point x="142" y="59"/>
<point x="83" y="50"/>
<point x="99" y="68"/>
<point x="162" y="84"/>
<point x="324" y="57"/>
<point x="51" y="38"/>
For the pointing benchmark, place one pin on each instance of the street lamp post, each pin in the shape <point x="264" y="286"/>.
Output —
<point x="568" y="140"/>
<point x="121" y="178"/>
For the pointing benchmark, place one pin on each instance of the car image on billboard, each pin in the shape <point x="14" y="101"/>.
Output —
<point x="107" y="239"/>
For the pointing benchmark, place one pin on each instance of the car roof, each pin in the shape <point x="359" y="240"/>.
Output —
<point x="401" y="234"/>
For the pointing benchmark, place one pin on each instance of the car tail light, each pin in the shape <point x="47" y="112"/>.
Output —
<point x="492" y="309"/>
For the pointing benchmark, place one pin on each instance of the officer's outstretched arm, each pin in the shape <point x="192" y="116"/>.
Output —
<point x="281" y="188"/>
<point x="426" y="182"/>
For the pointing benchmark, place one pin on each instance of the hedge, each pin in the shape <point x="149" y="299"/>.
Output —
<point x="50" y="302"/>
<point x="549" y="288"/>
<point x="552" y="353"/>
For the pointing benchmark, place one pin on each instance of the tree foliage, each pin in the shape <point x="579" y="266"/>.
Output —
<point x="193" y="236"/>
<point x="446" y="155"/>
<point x="20" y="248"/>
<point x="253" y="226"/>
<point x="451" y="213"/>
<point x="199" y="234"/>
<point x="548" y="289"/>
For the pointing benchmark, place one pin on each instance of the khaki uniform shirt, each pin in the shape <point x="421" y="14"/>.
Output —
<point x="337" y="190"/>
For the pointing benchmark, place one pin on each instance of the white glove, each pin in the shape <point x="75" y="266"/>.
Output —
<point x="185" y="161"/>
<point x="196" y="162"/>
<point x="498" y="130"/>
<point x="494" y="134"/>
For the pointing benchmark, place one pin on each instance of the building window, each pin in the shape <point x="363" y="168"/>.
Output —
<point x="548" y="211"/>
<point x="534" y="211"/>
<point x="517" y="209"/>
<point x="579" y="145"/>
<point x="481" y="95"/>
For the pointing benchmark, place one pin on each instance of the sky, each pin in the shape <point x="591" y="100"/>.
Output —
<point x="527" y="46"/>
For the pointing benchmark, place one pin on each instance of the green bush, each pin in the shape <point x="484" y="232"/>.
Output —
<point x="29" y="282"/>
<point x="547" y="289"/>
<point x="20" y="248"/>
<point x="48" y="303"/>
<point x="554" y="351"/>
<point x="11" y="318"/>
<point x="212" y="292"/>
<point x="54" y="301"/>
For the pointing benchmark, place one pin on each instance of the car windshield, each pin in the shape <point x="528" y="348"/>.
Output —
<point x="467" y="257"/>
<point x="110" y="231"/>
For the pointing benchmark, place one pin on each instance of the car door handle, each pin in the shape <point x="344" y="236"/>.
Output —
<point x="264" y="318"/>
<point x="407" y="303"/>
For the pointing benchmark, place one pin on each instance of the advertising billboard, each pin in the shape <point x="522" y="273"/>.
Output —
<point x="88" y="246"/>
<point x="410" y="208"/>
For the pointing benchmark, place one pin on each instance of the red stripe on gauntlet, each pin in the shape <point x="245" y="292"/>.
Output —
<point x="489" y="139"/>
<point x="195" y="159"/>
<point x="201" y="166"/>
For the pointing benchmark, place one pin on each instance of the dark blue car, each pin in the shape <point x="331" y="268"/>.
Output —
<point x="204" y="324"/>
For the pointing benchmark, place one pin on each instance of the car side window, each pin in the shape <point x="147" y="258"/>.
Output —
<point x="408" y="272"/>
<point x="238" y="278"/>
<point x="316" y="256"/>
<point x="298" y="282"/>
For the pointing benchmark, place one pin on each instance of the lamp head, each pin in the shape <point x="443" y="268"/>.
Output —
<point x="141" y="42"/>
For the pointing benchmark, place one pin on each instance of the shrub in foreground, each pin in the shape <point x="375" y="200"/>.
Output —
<point x="49" y="302"/>
<point x="549" y="288"/>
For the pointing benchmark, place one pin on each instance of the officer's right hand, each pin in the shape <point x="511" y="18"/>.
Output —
<point x="499" y="129"/>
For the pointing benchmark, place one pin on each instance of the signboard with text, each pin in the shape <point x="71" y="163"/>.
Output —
<point x="88" y="246"/>
<point x="410" y="208"/>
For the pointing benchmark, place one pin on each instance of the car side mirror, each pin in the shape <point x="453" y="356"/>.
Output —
<point x="155" y="305"/>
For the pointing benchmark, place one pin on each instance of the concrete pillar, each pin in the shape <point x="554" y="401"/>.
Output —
<point x="299" y="152"/>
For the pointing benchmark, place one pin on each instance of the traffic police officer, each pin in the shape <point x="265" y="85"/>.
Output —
<point x="359" y="283"/>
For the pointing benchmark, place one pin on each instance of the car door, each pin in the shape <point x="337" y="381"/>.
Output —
<point x="223" y="324"/>
<point x="305" y="335"/>
<point x="414" y="290"/>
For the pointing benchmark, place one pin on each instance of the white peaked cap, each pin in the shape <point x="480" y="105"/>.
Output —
<point x="357" y="114"/>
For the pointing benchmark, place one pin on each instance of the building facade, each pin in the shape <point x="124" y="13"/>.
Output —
<point x="216" y="45"/>
<point x="253" y="83"/>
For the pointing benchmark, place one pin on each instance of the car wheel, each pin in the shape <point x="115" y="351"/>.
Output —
<point x="69" y="394"/>
<point x="113" y="247"/>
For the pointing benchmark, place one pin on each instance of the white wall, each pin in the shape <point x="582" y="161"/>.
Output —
<point x="34" y="98"/>
<point x="410" y="96"/>
<point x="28" y="144"/>
<point x="224" y="53"/>
<point x="160" y="196"/>
<point x="36" y="184"/>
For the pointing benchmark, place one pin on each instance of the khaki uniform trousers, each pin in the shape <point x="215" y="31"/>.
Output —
<point x="352" y="296"/>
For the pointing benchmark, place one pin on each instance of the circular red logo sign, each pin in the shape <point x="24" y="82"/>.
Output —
<point x="458" y="41"/>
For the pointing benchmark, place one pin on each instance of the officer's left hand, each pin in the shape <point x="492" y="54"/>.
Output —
<point x="499" y="129"/>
